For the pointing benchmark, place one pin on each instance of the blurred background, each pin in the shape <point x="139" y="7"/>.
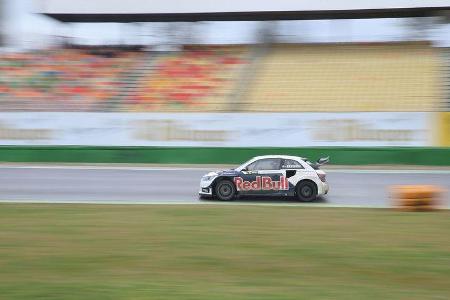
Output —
<point x="352" y="73"/>
<point x="185" y="86"/>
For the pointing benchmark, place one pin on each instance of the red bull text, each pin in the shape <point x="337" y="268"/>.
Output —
<point x="263" y="183"/>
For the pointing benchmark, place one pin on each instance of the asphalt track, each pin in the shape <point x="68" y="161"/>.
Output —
<point x="84" y="184"/>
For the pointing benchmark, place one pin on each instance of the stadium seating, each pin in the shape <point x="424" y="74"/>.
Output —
<point x="63" y="79"/>
<point x="347" y="77"/>
<point x="195" y="79"/>
<point x="278" y="78"/>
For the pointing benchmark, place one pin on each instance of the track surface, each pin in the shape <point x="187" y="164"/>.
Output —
<point x="165" y="185"/>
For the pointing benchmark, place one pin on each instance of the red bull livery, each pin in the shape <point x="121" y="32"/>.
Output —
<point x="272" y="175"/>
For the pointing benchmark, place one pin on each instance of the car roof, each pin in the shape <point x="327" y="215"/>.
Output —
<point x="279" y="156"/>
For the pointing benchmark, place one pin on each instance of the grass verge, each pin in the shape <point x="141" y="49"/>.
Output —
<point x="221" y="252"/>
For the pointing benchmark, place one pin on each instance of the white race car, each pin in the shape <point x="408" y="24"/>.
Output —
<point x="272" y="175"/>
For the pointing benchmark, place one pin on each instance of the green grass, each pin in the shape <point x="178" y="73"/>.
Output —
<point x="221" y="252"/>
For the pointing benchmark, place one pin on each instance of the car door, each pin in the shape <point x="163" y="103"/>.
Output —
<point x="290" y="168"/>
<point x="263" y="177"/>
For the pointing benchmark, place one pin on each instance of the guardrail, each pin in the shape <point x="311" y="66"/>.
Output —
<point x="219" y="155"/>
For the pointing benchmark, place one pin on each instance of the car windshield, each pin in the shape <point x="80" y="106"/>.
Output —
<point x="240" y="167"/>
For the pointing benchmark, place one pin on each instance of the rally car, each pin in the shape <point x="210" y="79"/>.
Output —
<point x="273" y="175"/>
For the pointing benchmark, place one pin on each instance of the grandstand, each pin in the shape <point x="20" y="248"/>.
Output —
<point x="446" y="83"/>
<point x="347" y="77"/>
<point x="265" y="77"/>
<point x="278" y="78"/>
<point x="64" y="79"/>
<point x="196" y="79"/>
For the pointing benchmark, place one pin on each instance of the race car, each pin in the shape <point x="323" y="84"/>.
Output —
<point x="272" y="175"/>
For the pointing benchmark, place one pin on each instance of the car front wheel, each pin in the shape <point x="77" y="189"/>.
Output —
<point x="225" y="190"/>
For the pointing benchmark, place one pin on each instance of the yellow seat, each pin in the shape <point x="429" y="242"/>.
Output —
<point x="347" y="77"/>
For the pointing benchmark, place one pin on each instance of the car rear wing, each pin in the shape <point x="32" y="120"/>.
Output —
<point x="324" y="160"/>
<point x="320" y="162"/>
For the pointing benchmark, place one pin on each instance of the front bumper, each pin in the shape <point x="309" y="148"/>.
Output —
<point x="206" y="187"/>
<point x="205" y="191"/>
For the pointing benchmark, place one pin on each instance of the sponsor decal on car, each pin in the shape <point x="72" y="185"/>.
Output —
<point x="262" y="183"/>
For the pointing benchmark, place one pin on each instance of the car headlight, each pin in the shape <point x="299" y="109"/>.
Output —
<point x="208" y="178"/>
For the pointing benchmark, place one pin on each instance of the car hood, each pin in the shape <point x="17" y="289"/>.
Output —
<point x="230" y="172"/>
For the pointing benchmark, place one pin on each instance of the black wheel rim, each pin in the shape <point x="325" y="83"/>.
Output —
<point x="306" y="191"/>
<point x="225" y="190"/>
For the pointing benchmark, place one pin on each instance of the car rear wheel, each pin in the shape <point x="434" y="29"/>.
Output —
<point x="306" y="191"/>
<point x="225" y="190"/>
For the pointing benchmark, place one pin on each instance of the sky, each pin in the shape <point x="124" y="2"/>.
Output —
<point x="26" y="29"/>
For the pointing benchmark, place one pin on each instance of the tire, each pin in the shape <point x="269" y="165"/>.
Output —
<point x="306" y="191"/>
<point x="225" y="190"/>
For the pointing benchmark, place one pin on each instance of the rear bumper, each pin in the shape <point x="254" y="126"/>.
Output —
<point x="323" y="189"/>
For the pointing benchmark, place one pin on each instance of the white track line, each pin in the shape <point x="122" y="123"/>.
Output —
<point x="388" y="171"/>
<point x="127" y="168"/>
<point x="318" y="205"/>
<point x="116" y="168"/>
<point x="97" y="202"/>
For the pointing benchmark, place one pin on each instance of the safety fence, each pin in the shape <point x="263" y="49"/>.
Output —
<point x="219" y="155"/>
<point x="227" y="138"/>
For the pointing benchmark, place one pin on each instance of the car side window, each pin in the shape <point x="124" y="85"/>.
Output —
<point x="291" y="164"/>
<point x="251" y="167"/>
<point x="265" y="164"/>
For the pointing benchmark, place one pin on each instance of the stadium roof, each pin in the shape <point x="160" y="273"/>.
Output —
<point x="227" y="10"/>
